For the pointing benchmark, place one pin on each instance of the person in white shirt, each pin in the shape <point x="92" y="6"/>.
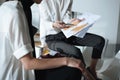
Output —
<point x="53" y="14"/>
<point x="15" y="46"/>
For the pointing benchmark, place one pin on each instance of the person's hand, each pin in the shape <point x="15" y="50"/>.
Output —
<point x="59" y="25"/>
<point x="75" y="21"/>
<point x="77" y="63"/>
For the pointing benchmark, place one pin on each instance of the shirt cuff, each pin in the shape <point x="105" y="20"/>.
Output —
<point x="23" y="51"/>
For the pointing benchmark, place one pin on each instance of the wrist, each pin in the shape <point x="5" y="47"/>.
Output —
<point x="65" y="61"/>
<point x="54" y="25"/>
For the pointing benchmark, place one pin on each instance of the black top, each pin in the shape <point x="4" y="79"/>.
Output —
<point x="27" y="3"/>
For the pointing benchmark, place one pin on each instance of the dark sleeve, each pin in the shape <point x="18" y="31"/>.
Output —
<point x="26" y="3"/>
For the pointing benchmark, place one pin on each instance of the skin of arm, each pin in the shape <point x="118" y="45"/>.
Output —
<point x="30" y="62"/>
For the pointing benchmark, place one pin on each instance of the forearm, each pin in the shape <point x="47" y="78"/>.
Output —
<point x="48" y="63"/>
<point x="33" y="63"/>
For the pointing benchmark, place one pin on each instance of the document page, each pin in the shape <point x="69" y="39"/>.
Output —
<point x="79" y="28"/>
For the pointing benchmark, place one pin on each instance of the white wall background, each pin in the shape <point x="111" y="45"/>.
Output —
<point x="107" y="26"/>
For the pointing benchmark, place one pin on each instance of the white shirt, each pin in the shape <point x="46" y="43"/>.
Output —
<point x="14" y="42"/>
<point x="50" y="11"/>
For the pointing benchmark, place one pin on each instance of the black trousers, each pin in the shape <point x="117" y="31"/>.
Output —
<point x="61" y="73"/>
<point x="66" y="46"/>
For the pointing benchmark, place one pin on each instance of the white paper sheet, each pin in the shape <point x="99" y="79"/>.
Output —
<point x="82" y="27"/>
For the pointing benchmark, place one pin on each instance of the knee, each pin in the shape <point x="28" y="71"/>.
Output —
<point x="76" y="53"/>
<point x="102" y="41"/>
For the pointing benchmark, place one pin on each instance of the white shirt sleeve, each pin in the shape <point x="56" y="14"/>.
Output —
<point x="46" y="23"/>
<point x="19" y="35"/>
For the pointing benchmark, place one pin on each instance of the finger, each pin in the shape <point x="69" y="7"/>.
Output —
<point x="81" y="19"/>
<point x="72" y="19"/>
